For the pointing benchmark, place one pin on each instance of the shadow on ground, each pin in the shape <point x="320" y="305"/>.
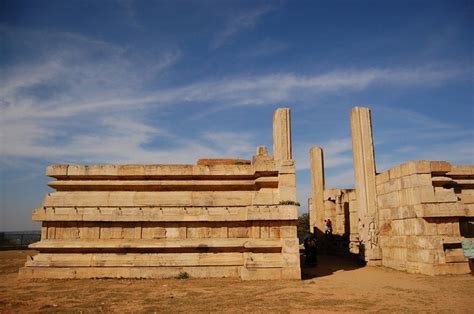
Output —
<point x="328" y="265"/>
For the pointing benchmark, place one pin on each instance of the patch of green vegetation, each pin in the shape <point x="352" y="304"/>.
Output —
<point x="290" y="203"/>
<point x="182" y="275"/>
<point x="303" y="227"/>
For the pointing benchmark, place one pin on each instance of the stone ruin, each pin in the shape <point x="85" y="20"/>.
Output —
<point x="237" y="218"/>
<point x="219" y="218"/>
<point x="412" y="217"/>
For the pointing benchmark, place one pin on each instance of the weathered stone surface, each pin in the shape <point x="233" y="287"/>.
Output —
<point x="412" y="216"/>
<point x="219" y="218"/>
<point x="440" y="166"/>
<point x="222" y="161"/>
<point x="282" y="134"/>
<point x="364" y="174"/>
<point x="130" y="272"/>
<point x="419" y="205"/>
<point x="316" y="212"/>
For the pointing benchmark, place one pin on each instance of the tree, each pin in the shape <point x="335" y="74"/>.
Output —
<point x="303" y="226"/>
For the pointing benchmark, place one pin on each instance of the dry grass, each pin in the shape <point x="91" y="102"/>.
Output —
<point x="335" y="285"/>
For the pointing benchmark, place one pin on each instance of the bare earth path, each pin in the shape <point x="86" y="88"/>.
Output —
<point x="335" y="285"/>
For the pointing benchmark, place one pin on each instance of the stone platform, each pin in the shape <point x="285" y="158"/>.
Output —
<point x="218" y="218"/>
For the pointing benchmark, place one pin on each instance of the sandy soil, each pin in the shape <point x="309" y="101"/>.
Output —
<point x="335" y="285"/>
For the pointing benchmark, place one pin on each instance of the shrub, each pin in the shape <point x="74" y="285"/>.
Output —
<point x="303" y="227"/>
<point x="289" y="203"/>
<point x="182" y="275"/>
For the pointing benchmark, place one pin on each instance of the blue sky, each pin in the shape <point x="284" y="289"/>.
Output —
<point x="174" y="81"/>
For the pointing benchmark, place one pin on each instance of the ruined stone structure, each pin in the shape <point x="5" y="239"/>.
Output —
<point x="412" y="217"/>
<point x="317" y="199"/>
<point x="219" y="218"/>
<point x="425" y="209"/>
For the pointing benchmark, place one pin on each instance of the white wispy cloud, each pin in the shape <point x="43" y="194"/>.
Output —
<point x="458" y="150"/>
<point x="413" y="118"/>
<point x="115" y="81"/>
<point x="25" y="117"/>
<point x="413" y="135"/>
<point x="80" y="75"/>
<point x="337" y="153"/>
<point x="231" y="92"/>
<point x="238" y="22"/>
<point x="90" y="82"/>
<point x="343" y="179"/>
<point x="421" y="138"/>
<point x="119" y="139"/>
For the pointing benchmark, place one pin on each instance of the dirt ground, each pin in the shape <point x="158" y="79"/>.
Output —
<point x="334" y="285"/>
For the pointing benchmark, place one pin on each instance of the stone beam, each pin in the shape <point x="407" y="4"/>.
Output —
<point x="282" y="134"/>
<point x="316" y="212"/>
<point x="364" y="174"/>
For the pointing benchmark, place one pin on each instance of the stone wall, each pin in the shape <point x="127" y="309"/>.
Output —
<point x="422" y="206"/>
<point x="412" y="217"/>
<point x="218" y="218"/>
<point x="339" y="206"/>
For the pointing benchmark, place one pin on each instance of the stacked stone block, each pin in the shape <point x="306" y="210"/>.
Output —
<point x="218" y="218"/>
<point x="337" y="208"/>
<point x="354" y="239"/>
<point x="339" y="205"/>
<point x="412" y="217"/>
<point x="419" y="216"/>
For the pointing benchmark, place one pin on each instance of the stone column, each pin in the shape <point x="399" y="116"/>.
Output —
<point x="282" y="134"/>
<point x="283" y="156"/>
<point x="364" y="174"/>
<point x="316" y="212"/>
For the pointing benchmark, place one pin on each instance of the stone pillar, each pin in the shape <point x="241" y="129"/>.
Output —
<point x="364" y="174"/>
<point x="282" y="134"/>
<point x="283" y="156"/>
<point x="316" y="212"/>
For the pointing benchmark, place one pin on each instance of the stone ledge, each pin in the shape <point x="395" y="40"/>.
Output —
<point x="165" y="185"/>
<point x="286" y="273"/>
<point x="167" y="214"/>
<point x="70" y="171"/>
<point x="247" y="259"/>
<point x="128" y="272"/>
<point x="203" y="243"/>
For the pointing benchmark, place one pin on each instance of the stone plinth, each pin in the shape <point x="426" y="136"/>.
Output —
<point x="218" y="218"/>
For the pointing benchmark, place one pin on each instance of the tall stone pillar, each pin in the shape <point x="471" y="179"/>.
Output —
<point x="316" y="212"/>
<point x="364" y="174"/>
<point x="282" y="134"/>
<point x="283" y="156"/>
